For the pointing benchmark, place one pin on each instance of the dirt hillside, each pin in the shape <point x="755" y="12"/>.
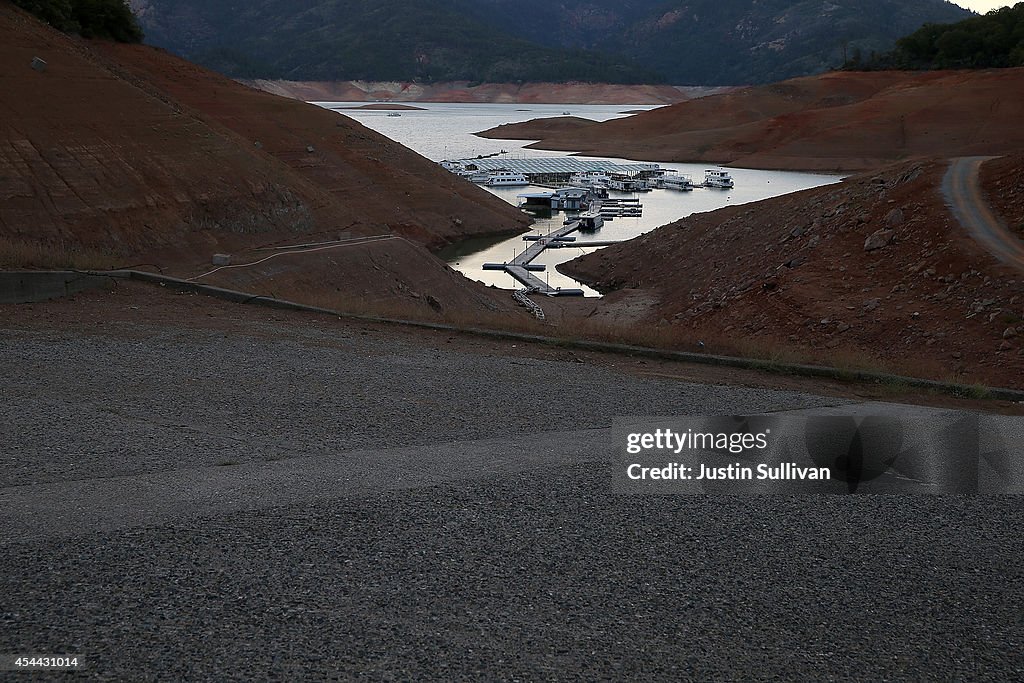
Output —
<point x="836" y="121"/>
<point x="873" y="271"/>
<point x="126" y="147"/>
<point x="118" y="155"/>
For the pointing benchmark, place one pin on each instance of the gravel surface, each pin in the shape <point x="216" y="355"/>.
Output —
<point x="100" y="406"/>
<point x="267" y="503"/>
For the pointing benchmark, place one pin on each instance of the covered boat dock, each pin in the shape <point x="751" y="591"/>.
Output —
<point x="554" y="169"/>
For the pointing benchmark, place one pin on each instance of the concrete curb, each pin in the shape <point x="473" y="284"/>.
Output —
<point x="825" y="372"/>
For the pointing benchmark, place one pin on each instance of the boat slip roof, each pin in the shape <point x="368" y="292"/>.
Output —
<point x="555" y="165"/>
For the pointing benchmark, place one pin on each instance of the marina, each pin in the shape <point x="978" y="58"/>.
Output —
<point x="574" y="172"/>
<point x="445" y="131"/>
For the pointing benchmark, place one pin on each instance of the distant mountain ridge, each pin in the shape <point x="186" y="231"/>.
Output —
<point x="384" y="40"/>
<point x="693" y="42"/>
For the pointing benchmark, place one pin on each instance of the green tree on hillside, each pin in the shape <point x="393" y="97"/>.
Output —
<point x="110" y="19"/>
<point x="993" y="40"/>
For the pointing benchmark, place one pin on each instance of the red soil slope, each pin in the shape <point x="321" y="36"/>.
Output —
<point x="794" y="273"/>
<point x="118" y="155"/>
<point x="130" y="150"/>
<point x="835" y="121"/>
<point x="556" y="125"/>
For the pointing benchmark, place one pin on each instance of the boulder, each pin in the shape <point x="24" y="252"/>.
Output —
<point x="894" y="218"/>
<point x="878" y="239"/>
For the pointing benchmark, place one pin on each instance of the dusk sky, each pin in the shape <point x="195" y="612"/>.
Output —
<point x="982" y="5"/>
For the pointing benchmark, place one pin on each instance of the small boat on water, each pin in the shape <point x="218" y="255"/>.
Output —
<point x="717" y="178"/>
<point x="393" y="113"/>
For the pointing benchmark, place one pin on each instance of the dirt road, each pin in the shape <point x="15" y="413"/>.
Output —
<point x="963" y="192"/>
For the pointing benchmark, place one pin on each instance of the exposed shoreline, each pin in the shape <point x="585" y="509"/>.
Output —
<point x="386" y="106"/>
<point x="484" y="93"/>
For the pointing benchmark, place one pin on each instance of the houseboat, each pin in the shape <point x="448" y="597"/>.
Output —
<point x="590" y="220"/>
<point x="562" y="199"/>
<point x="674" y="180"/>
<point x="717" y="178"/>
<point x="589" y="179"/>
<point x="624" y="183"/>
<point x="506" y="178"/>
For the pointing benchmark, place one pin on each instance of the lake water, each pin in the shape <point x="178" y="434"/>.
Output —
<point x="445" y="131"/>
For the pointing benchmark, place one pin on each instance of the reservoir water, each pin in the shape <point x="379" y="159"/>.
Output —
<point x="446" y="131"/>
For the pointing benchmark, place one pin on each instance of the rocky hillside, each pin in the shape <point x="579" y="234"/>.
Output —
<point x="835" y="121"/>
<point x="115" y="155"/>
<point x="692" y="42"/>
<point x="873" y="271"/>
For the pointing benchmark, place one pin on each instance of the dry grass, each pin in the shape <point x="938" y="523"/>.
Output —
<point x="773" y="355"/>
<point x="16" y="253"/>
<point x="419" y="310"/>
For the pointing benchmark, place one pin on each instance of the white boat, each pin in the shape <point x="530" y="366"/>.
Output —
<point x="479" y="177"/>
<point x="675" y="180"/>
<point x="393" y="113"/>
<point x="624" y="183"/>
<point x="717" y="178"/>
<point x="589" y="179"/>
<point x="506" y="177"/>
<point x="590" y="220"/>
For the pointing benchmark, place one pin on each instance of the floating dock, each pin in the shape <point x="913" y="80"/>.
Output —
<point x="520" y="267"/>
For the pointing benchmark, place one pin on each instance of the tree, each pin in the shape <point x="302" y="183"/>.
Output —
<point x="110" y="19"/>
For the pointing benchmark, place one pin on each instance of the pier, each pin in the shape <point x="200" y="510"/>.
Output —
<point x="521" y="269"/>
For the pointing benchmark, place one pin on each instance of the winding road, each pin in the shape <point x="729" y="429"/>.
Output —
<point x="964" y="196"/>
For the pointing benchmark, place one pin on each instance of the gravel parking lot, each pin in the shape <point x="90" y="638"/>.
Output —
<point x="254" y="496"/>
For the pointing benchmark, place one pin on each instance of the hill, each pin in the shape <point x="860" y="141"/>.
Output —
<point x="693" y="42"/>
<point x="115" y="155"/>
<point x="366" y="40"/>
<point x="874" y="271"/>
<point x="835" y="121"/>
